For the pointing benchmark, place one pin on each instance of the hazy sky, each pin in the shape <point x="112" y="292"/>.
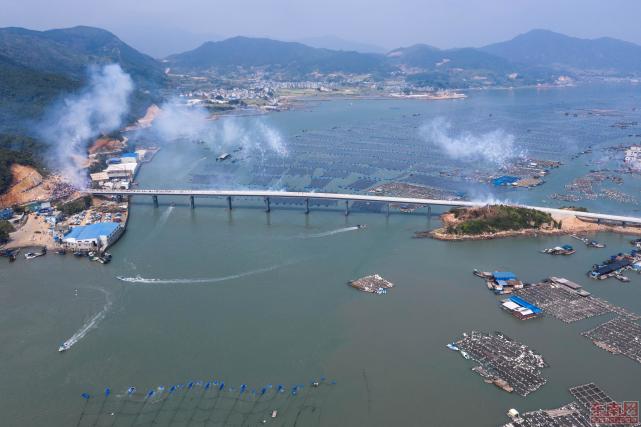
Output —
<point x="386" y="23"/>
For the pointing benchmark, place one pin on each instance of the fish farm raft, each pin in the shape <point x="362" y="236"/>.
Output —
<point x="583" y="412"/>
<point x="207" y="403"/>
<point x="506" y="363"/>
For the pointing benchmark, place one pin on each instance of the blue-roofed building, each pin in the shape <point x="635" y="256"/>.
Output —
<point x="93" y="237"/>
<point x="505" y="180"/>
<point x="504" y="275"/>
<point x="6" y="213"/>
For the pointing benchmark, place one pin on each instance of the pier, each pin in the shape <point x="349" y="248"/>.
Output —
<point x="266" y="194"/>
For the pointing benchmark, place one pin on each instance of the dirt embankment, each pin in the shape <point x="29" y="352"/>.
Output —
<point x="570" y="224"/>
<point x="27" y="185"/>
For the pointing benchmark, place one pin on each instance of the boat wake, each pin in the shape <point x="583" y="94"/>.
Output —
<point x="145" y="280"/>
<point x="328" y="233"/>
<point x="89" y="324"/>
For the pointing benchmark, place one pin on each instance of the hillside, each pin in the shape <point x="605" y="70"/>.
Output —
<point x="36" y="67"/>
<point x="554" y="50"/>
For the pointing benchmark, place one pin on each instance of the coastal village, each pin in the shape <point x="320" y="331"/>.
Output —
<point x="58" y="217"/>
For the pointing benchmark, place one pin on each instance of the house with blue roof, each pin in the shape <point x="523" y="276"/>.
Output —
<point x="92" y="237"/>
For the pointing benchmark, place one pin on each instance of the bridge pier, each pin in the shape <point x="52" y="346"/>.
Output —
<point x="267" y="203"/>
<point x="388" y="209"/>
<point x="192" y="202"/>
<point x="306" y="206"/>
<point x="623" y="224"/>
<point x="229" y="202"/>
<point x="155" y="199"/>
<point x="429" y="211"/>
<point x="346" y="207"/>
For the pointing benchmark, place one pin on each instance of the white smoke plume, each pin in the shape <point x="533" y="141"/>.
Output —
<point x="98" y="109"/>
<point x="178" y="121"/>
<point x="496" y="146"/>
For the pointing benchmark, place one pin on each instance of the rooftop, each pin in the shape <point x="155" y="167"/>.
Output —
<point x="92" y="231"/>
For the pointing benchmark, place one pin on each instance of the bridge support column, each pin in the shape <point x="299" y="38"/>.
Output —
<point x="429" y="210"/>
<point x="388" y="209"/>
<point x="346" y="207"/>
<point x="267" y="203"/>
<point x="229" y="202"/>
<point x="155" y="199"/>
<point x="623" y="224"/>
<point x="192" y="202"/>
<point x="306" y="206"/>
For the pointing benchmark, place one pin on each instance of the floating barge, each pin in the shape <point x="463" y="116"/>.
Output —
<point x="616" y="265"/>
<point x="374" y="284"/>
<point x="501" y="282"/>
<point x="560" y="250"/>
<point x="520" y="308"/>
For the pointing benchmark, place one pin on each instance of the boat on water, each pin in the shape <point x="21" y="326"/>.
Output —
<point x="464" y="354"/>
<point x="595" y="244"/>
<point x="79" y="254"/>
<point x="361" y="226"/>
<point x="64" y="347"/>
<point x="559" y="250"/>
<point x="589" y="243"/>
<point x="452" y="347"/>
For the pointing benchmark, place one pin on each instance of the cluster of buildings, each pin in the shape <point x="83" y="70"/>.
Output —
<point x="633" y="157"/>
<point x="120" y="171"/>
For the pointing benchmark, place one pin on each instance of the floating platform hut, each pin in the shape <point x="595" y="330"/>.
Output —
<point x="374" y="284"/>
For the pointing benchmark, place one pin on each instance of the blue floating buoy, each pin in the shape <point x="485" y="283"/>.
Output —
<point x="150" y="393"/>
<point x="222" y="385"/>
<point x="85" y="396"/>
<point x="107" y="392"/>
<point x="131" y="390"/>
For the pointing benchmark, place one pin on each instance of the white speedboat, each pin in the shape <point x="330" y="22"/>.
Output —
<point x="453" y="347"/>
<point x="465" y="355"/>
<point x="64" y="347"/>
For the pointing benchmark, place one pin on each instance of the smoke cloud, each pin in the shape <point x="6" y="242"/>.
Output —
<point x="72" y="124"/>
<point x="177" y="121"/>
<point x="496" y="146"/>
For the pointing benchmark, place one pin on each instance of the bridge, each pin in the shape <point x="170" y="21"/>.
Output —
<point x="266" y="195"/>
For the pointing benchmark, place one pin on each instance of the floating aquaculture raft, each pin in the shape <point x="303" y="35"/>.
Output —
<point x="374" y="284"/>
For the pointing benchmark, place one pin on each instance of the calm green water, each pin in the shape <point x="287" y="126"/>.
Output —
<point x="260" y="298"/>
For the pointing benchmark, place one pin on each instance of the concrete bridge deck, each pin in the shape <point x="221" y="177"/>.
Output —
<point x="266" y="194"/>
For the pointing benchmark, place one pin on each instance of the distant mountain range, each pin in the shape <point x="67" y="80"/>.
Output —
<point x="548" y="49"/>
<point x="536" y="56"/>
<point x="37" y="66"/>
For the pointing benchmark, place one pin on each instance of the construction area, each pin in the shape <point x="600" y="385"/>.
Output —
<point x="620" y="335"/>
<point x="591" y="408"/>
<point x="508" y="364"/>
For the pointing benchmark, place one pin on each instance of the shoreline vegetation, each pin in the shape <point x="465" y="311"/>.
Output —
<point x="501" y="221"/>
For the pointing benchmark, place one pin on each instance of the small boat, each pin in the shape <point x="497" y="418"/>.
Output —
<point x="61" y="252"/>
<point x="465" y="355"/>
<point x="595" y="244"/>
<point x="453" y="347"/>
<point x="78" y="254"/>
<point x="559" y="250"/>
<point x="64" y="347"/>
<point x="361" y="226"/>
<point x="31" y="255"/>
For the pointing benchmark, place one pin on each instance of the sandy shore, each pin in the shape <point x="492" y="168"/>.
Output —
<point x="34" y="232"/>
